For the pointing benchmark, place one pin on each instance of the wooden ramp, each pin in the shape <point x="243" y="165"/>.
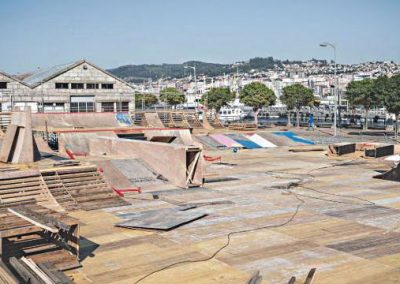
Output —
<point x="165" y="118"/>
<point x="153" y="120"/>
<point x="81" y="188"/>
<point x="18" y="145"/>
<point x="193" y="119"/>
<point x="211" y="119"/>
<point x="139" y="119"/>
<point x="179" y="120"/>
<point x="182" y="165"/>
<point x="22" y="187"/>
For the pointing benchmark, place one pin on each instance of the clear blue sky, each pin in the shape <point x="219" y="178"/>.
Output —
<point x="112" y="33"/>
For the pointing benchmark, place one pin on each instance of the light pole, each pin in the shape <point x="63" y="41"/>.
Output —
<point x="195" y="78"/>
<point x="327" y="44"/>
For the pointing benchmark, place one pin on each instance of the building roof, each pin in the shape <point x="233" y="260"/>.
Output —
<point x="43" y="75"/>
<point x="13" y="78"/>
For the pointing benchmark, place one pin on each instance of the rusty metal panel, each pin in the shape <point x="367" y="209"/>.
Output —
<point x="380" y="151"/>
<point x="163" y="219"/>
<point x="342" y="148"/>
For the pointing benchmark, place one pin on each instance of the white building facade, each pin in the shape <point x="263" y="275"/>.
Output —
<point x="77" y="87"/>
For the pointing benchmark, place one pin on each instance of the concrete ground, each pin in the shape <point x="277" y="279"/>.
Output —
<point x="271" y="210"/>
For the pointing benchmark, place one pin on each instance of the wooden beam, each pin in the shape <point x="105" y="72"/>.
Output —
<point x="47" y="223"/>
<point x="256" y="278"/>
<point x="310" y="276"/>
<point x="6" y="276"/>
<point x="24" y="272"/>
<point x="56" y="275"/>
<point x="32" y="219"/>
<point x="40" y="274"/>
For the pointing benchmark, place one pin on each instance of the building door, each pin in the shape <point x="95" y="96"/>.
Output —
<point x="82" y="104"/>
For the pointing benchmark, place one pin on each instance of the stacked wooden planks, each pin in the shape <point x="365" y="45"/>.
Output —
<point x="24" y="186"/>
<point x="6" y="276"/>
<point x="81" y="187"/>
<point x="50" y="239"/>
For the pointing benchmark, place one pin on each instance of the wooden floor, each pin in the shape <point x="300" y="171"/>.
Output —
<point x="347" y="225"/>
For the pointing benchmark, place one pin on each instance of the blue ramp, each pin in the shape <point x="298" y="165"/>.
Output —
<point x="243" y="140"/>
<point x="247" y="144"/>
<point x="293" y="136"/>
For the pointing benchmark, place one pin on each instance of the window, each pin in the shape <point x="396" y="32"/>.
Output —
<point x="76" y="85"/>
<point x="92" y="86"/>
<point x="62" y="85"/>
<point x="107" y="107"/>
<point x="82" y="107"/>
<point x="82" y="104"/>
<point x="122" y="106"/>
<point x="3" y="85"/>
<point x="107" y="86"/>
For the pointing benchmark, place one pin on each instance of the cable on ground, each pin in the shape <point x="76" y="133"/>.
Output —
<point x="228" y="241"/>
<point x="292" y="217"/>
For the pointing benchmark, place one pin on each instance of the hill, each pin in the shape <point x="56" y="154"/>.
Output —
<point x="139" y="73"/>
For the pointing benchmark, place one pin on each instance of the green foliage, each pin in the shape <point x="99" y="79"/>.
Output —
<point x="172" y="96"/>
<point x="257" y="95"/>
<point x="296" y="96"/>
<point x="363" y="93"/>
<point x="217" y="97"/>
<point x="388" y="90"/>
<point x="148" y="99"/>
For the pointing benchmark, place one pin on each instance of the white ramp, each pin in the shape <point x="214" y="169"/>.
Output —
<point x="260" y="141"/>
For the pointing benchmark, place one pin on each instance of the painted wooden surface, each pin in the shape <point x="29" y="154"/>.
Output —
<point x="348" y="226"/>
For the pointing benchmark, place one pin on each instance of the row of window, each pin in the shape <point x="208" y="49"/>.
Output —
<point x="90" y="86"/>
<point x="105" y="107"/>
<point x="109" y="106"/>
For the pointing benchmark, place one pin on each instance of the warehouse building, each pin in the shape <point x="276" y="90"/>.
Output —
<point x="75" y="87"/>
<point x="11" y="88"/>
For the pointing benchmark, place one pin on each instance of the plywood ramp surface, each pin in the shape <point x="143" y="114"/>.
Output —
<point x="81" y="188"/>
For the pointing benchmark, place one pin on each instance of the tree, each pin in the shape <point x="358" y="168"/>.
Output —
<point x="217" y="98"/>
<point x="363" y="93"/>
<point x="145" y="100"/>
<point x="295" y="97"/>
<point x="172" y="96"/>
<point x="257" y="95"/>
<point x="388" y="90"/>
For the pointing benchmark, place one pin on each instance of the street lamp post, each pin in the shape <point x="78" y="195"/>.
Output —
<point x="327" y="44"/>
<point x="195" y="78"/>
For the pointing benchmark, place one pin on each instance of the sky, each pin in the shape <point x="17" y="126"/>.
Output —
<point x="42" y="33"/>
